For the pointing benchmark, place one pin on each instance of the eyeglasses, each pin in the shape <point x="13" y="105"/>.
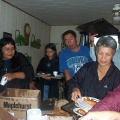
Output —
<point x="8" y="49"/>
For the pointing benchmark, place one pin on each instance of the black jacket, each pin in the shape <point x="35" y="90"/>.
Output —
<point x="25" y="67"/>
<point x="48" y="66"/>
<point x="86" y="79"/>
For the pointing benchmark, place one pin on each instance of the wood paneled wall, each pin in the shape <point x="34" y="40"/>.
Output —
<point x="12" y="19"/>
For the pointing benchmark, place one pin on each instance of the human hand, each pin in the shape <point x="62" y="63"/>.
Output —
<point x="91" y="37"/>
<point x="101" y="115"/>
<point x="32" y="85"/>
<point x="75" y="93"/>
<point x="9" y="76"/>
<point x="35" y="71"/>
<point x="45" y="77"/>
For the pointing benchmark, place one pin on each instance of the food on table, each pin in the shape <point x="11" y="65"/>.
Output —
<point x="90" y="101"/>
<point x="59" y="103"/>
<point x="59" y="112"/>
<point x="81" y="111"/>
<point x="48" y="74"/>
<point x="76" y="103"/>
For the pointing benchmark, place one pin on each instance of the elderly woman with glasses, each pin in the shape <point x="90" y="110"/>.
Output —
<point x="96" y="79"/>
<point x="14" y="66"/>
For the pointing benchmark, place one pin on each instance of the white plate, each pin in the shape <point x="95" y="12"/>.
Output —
<point x="75" y="109"/>
<point x="82" y="103"/>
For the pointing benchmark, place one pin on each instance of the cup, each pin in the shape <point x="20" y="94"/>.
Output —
<point x="34" y="114"/>
<point x="3" y="81"/>
<point x="55" y="73"/>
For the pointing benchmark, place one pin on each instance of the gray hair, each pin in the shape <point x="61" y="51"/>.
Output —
<point x="106" y="41"/>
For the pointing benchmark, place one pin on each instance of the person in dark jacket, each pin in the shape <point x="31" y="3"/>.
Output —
<point x="48" y="64"/>
<point x="14" y="66"/>
<point x="96" y="79"/>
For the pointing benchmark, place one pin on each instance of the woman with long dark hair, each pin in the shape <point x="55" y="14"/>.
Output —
<point x="48" y="64"/>
<point x="14" y="66"/>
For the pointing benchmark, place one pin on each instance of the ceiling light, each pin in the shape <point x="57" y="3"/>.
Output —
<point x="116" y="14"/>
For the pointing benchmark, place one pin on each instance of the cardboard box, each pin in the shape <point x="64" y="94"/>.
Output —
<point x="60" y="118"/>
<point x="17" y="101"/>
<point x="4" y="115"/>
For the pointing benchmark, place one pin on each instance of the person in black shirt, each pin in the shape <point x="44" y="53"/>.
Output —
<point x="14" y="66"/>
<point x="96" y="79"/>
<point x="48" y="64"/>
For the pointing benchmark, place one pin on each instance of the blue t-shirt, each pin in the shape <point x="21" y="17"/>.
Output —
<point x="73" y="61"/>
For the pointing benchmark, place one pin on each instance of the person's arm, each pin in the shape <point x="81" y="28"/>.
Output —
<point x="26" y="69"/>
<point x="45" y="77"/>
<point x="67" y="75"/>
<point x="91" y="37"/>
<point x="74" y="85"/>
<point x="103" y="115"/>
<point x="18" y="75"/>
<point x="35" y="71"/>
<point x="92" y="53"/>
<point x="63" y="65"/>
<point x="92" y="50"/>
<point x="25" y="74"/>
<point x="75" y="93"/>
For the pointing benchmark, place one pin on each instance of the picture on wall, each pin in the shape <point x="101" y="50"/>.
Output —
<point x="7" y="35"/>
<point x="63" y="46"/>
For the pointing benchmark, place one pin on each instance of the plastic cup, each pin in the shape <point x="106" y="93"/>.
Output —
<point x="3" y="81"/>
<point x="55" y="73"/>
<point x="34" y="114"/>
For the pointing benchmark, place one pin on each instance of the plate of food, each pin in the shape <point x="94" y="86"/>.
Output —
<point x="38" y="75"/>
<point x="80" y="111"/>
<point x="42" y="74"/>
<point x="87" y="102"/>
<point x="48" y="74"/>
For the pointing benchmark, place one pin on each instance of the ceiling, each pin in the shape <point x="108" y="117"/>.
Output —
<point x="67" y="12"/>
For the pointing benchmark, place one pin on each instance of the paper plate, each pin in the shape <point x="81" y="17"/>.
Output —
<point x="75" y="111"/>
<point x="82" y="103"/>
